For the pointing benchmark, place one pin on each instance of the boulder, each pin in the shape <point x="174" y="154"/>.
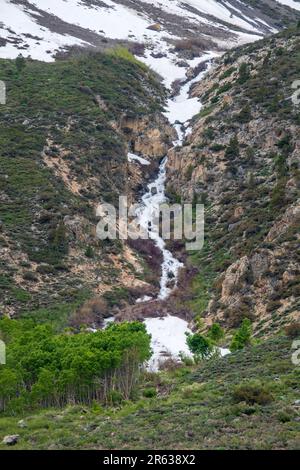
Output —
<point x="11" y="440"/>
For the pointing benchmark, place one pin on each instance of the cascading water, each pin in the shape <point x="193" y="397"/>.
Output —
<point x="168" y="333"/>
<point x="180" y="111"/>
<point x="148" y="215"/>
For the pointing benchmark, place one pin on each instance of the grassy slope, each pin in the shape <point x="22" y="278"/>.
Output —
<point x="56" y="101"/>
<point x="195" y="409"/>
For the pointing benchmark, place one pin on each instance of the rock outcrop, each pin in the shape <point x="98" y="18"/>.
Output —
<point x="242" y="161"/>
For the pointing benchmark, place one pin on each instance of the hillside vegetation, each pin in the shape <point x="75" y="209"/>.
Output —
<point x="64" y="137"/>
<point x="243" y="162"/>
<point x="63" y="150"/>
<point x="249" y="400"/>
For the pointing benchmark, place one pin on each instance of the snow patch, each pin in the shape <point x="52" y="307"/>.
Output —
<point x="168" y="339"/>
<point x="290" y="3"/>
<point x="135" y="158"/>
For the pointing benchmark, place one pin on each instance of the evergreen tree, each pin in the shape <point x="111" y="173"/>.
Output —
<point x="242" y="337"/>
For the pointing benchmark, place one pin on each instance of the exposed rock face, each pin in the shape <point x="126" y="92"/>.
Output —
<point x="281" y="226"/>
<point x="150" y="136"/>
<point x="233" y="278"/>
<point x="242" y="160"/>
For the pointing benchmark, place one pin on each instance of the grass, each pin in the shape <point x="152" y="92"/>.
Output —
<point x="57" y="314"/>
<point x="194" y="408"/>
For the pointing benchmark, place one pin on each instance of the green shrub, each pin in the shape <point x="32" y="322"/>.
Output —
<point x="216" y="333"/>
<point x="293" y="330"/>
<point x="21" y="295"/>
<point x="224" y="88"/>
<point x="189" y="172"/>
<point x="89" y="252"/>
<point x="216" y="147"/>
<point x="30" y="276"/>
<point x="228" y="73"/>
<point x="45" y="269"/>
<point x="120" y="52"/>
<point x="286" y="415"/>
<point x="20" y="63"/>
<point x="114" y="397"/>
<point x="199" y="346"/>
<point x="278" y="197"/>
<point x="252" y="393"/>
<point x="242" y="337"/>
<point x="244" y="73"/>
<point x="233" y="149"/>
<point x="150" y="392"/>
<point x="244" y="115"/>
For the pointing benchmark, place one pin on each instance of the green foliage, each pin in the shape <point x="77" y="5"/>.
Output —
<point x="68" y="115"/>
<point x="189" y="172"/>
<point x="278" y="198"/>
<point x="233" y="149"/>
<point x="45" y="369"/>
<point x="224" y="88"/>
<point x="20" y="63"/>
<point x="228" y="73"/>
<point x="195" y="409"/>
<point x="150" y="392"/>
<point x="217" y="147"/>
<point x="59" y="240"/>
<point x="244" y="115"/>
<point x="281" y="165"/>
<point x="91" y="144"/>
<point x="123" y="53"/>
<point x="89" y="252"/>
<point x="252" y="392"/>
<point x="244" y="73"/>
<point x="242" y="337"/>
<point x="216" y="333"/>
<point x="199" y="345"/>
<point x="21" y="295"/>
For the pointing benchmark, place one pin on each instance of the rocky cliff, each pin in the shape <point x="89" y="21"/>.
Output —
<point x="242" y="161"/>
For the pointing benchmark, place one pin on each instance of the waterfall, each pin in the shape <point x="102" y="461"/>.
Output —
<point x="168" y="333"/>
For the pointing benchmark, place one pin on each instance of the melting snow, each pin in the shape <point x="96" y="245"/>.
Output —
<point x="148" y="216"/>
<point x="168" y="333"/>
<point x="168" y="339"/>
<point x="116" y="21"/>
<point x="121" y="22"/>
<point x="20" y="22"/>
<point x="135" y="158"/>
<point x="182" y="108"/>
<point x="290" y="3"/>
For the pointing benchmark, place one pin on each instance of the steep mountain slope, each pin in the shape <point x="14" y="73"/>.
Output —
<point x="242" y="160"/>
<point x="65" y="133"/>
<point x="61" y="129"/>
<point x="72" y="134"/>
